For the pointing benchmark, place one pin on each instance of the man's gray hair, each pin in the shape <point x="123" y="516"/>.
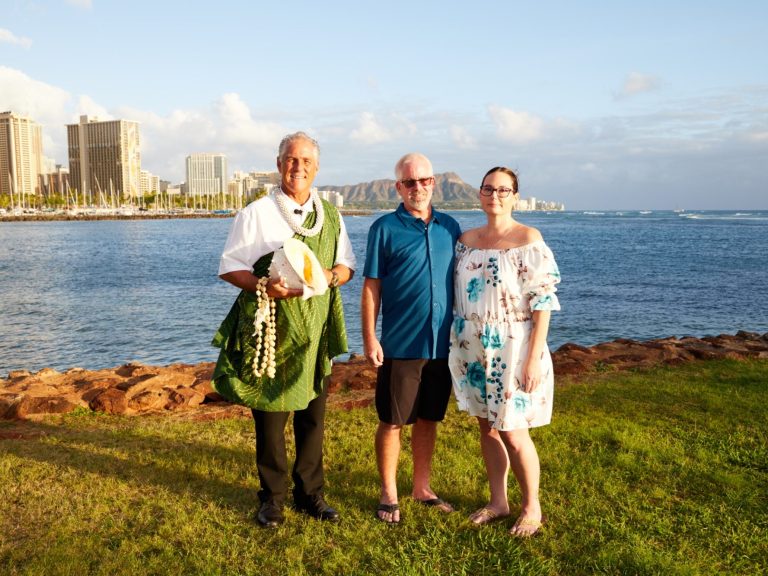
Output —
<point x="408" y="159"/>
<point x="285" y="142"/>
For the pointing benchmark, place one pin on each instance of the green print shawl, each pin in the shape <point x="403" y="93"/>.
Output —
<point x="309" y="334"/>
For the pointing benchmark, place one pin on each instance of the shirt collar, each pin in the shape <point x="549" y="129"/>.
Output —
<point x="408" y="218"/>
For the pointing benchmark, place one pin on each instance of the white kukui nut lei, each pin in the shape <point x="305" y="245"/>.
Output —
<point x="265" y="331"/>
<point x="282" y="204"/>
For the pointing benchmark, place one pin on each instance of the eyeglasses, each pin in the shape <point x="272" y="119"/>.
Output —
<point x="411" y="182"/>
<point x="501" y="191"/>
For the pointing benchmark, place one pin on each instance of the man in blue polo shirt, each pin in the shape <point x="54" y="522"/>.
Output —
<point x="409" y="277"/>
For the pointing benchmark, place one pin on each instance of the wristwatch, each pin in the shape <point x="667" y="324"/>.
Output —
<point x="334" y="279"/>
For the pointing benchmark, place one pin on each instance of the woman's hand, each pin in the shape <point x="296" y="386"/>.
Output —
<point x="531" y="374"/>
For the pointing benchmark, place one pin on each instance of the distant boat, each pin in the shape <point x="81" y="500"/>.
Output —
<point x="679" y="210"/>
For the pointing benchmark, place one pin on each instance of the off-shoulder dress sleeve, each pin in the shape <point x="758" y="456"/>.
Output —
<point x="540" y="277"/>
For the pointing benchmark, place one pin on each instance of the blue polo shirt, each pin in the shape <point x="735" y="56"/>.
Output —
<point x="414" y="262"/>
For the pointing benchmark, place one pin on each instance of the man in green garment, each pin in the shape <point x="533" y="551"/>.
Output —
<point x="310" y="331"/>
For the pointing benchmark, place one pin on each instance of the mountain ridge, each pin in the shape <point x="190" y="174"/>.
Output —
<point x="449" y="189"/>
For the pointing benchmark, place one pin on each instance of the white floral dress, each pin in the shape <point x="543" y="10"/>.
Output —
<point x="496" y="292"/>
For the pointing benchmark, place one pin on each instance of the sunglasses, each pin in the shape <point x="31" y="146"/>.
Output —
<point x="411" y="182"/>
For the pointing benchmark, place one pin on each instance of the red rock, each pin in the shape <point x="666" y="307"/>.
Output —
<point x="356" y="403"/>
<point x="91" y="393"/>
<point x="43" y="405"/>
<point x="48" y="373"/>
<point x="569" y="367"/>
<point x="83" y="385"/>
<point x="570" y="347"/>
<point x="8" y="406"/>
<point x="203" y="386"/>
<point x="149" y="400"/>
<point x="184" y="398"/>
<point x="111" y="401"/>
<point x="138" y="388"/>
<point x="155" y="381"/>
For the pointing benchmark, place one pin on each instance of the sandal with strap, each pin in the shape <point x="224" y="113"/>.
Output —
<point x="438" y="503"/>
<point x="389" y="509"/>
<point x="526" y="527"/>
<point x="485" y="516"/>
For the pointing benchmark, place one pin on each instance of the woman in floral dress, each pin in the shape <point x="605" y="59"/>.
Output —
<point x="502" y="372"/>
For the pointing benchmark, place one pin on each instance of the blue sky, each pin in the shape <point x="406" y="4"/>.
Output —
<point x="601" y="105"/>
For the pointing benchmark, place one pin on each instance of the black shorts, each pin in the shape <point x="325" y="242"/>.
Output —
<point x="408" y="389"/>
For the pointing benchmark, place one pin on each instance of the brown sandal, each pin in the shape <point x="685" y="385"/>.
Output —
<point x="526" y="527"/>
<point x="485" y="516"/>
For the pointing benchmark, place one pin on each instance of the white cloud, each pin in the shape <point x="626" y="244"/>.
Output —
<point x="27" y="96"/>
<point x="226" y="127"/>
<point x="48" y="105"/>
<point x="10" y="38"/>
<point x="88" y="4"/>
<point x="86" y="105"/>
<point x="369" y="130"/>
<point x="515" y="126"/>
<point x="239" y="127"/>
<point x="676" y="147"/>
<point x="637" y="83"/>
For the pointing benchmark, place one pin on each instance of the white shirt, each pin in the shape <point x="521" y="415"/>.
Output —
<point x="259" y="229"/>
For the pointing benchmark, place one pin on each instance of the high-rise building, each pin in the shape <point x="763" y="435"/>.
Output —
<point x="206" y="174"/>
<point x="21" y="155"/>
<point x="56" y="181"/>
<point x="104" y="158"/>
<point x="150" y="183"/>
<point x="332" y="196"/>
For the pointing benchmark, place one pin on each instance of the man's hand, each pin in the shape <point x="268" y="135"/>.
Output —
<point x="276" y="288"/>
<point x="373" y="352"/>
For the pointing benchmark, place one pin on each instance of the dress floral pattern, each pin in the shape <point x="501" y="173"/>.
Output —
<point x="496" y="293"/>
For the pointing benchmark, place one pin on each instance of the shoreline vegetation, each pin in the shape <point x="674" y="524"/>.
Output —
<point x="659" y="470"/>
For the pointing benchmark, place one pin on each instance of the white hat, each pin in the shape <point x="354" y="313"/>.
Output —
<point x="298" y="266"/>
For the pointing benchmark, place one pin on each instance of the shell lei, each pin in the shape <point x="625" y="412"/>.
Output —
<point x="265" y="332"/>
<point x="281" y="198"/>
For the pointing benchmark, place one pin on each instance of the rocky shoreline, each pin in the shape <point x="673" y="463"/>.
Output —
<point x="134" y="389"/>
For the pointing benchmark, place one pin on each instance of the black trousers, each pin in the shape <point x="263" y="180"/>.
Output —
<point x="271" y="457"/>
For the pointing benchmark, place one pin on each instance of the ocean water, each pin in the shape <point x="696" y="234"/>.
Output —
<point x="100" y="294"/>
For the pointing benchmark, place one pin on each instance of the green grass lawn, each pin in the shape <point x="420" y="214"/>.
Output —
<point x="657" y="472"/>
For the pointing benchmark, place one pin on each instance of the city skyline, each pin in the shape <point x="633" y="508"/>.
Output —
<point x="652" y="106"/>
